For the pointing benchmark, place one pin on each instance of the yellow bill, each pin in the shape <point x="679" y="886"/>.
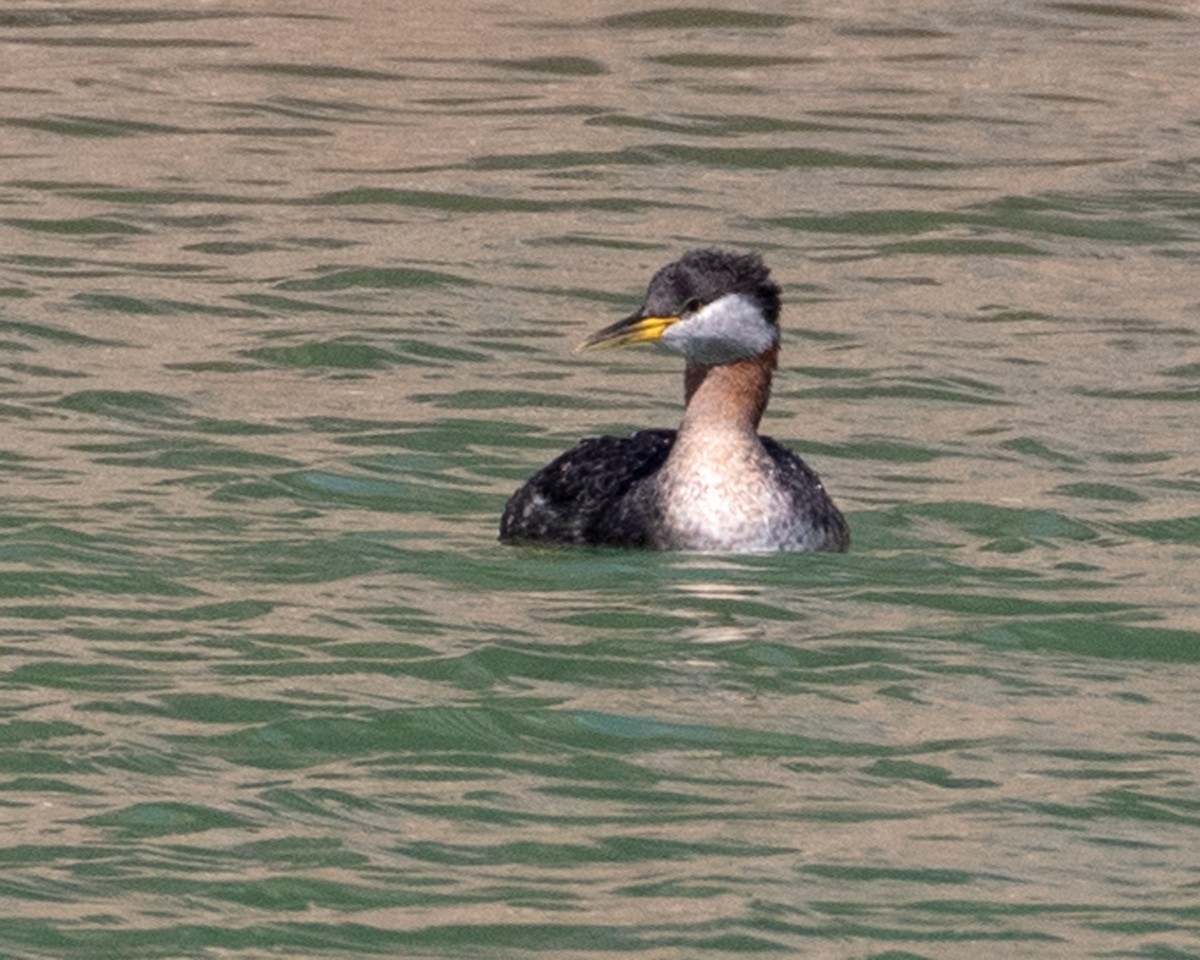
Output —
<point x="633" y="329"/>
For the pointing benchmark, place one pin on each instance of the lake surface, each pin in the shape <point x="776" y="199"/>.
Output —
<point x="288" y="294"/>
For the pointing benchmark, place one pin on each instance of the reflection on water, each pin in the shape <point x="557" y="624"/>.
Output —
<point x="288" y="298"/>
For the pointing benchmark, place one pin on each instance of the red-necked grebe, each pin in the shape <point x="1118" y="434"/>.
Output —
<point x="714" y="484"/>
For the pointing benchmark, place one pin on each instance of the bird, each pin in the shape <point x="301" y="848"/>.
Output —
<point x="714" y="484"/>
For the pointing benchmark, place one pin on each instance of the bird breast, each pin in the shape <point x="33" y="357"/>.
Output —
<point x="721" y="495"/>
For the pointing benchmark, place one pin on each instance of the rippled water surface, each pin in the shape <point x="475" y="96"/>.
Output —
<point x="287" y="299"/>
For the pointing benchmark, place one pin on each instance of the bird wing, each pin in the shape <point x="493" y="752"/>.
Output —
<point x="587" y="495"/>
<point x="809" y="498"/>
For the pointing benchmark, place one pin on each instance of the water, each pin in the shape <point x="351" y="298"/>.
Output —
<point x="289" y="293"/>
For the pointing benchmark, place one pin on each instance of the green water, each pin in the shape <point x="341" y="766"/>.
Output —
<point x="286" y="313"/>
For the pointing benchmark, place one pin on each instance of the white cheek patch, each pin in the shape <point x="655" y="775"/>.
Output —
<point x="730" y="328"/>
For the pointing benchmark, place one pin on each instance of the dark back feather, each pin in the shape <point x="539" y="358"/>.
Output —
<point x="809" y="499"/>
<point x="591" y="494"/>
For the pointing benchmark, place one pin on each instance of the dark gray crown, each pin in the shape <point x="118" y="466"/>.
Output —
<point x="702" y="276"/>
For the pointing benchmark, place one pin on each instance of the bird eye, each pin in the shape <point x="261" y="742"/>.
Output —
<point x="691" y="306"/>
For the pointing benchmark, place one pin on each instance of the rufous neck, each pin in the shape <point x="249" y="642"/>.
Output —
<point x="731" y="395"/>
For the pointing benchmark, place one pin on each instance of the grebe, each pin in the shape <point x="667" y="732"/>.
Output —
<point x="714" y="484"/>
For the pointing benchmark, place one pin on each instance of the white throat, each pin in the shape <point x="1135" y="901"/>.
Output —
<point x="730" y="328"/>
